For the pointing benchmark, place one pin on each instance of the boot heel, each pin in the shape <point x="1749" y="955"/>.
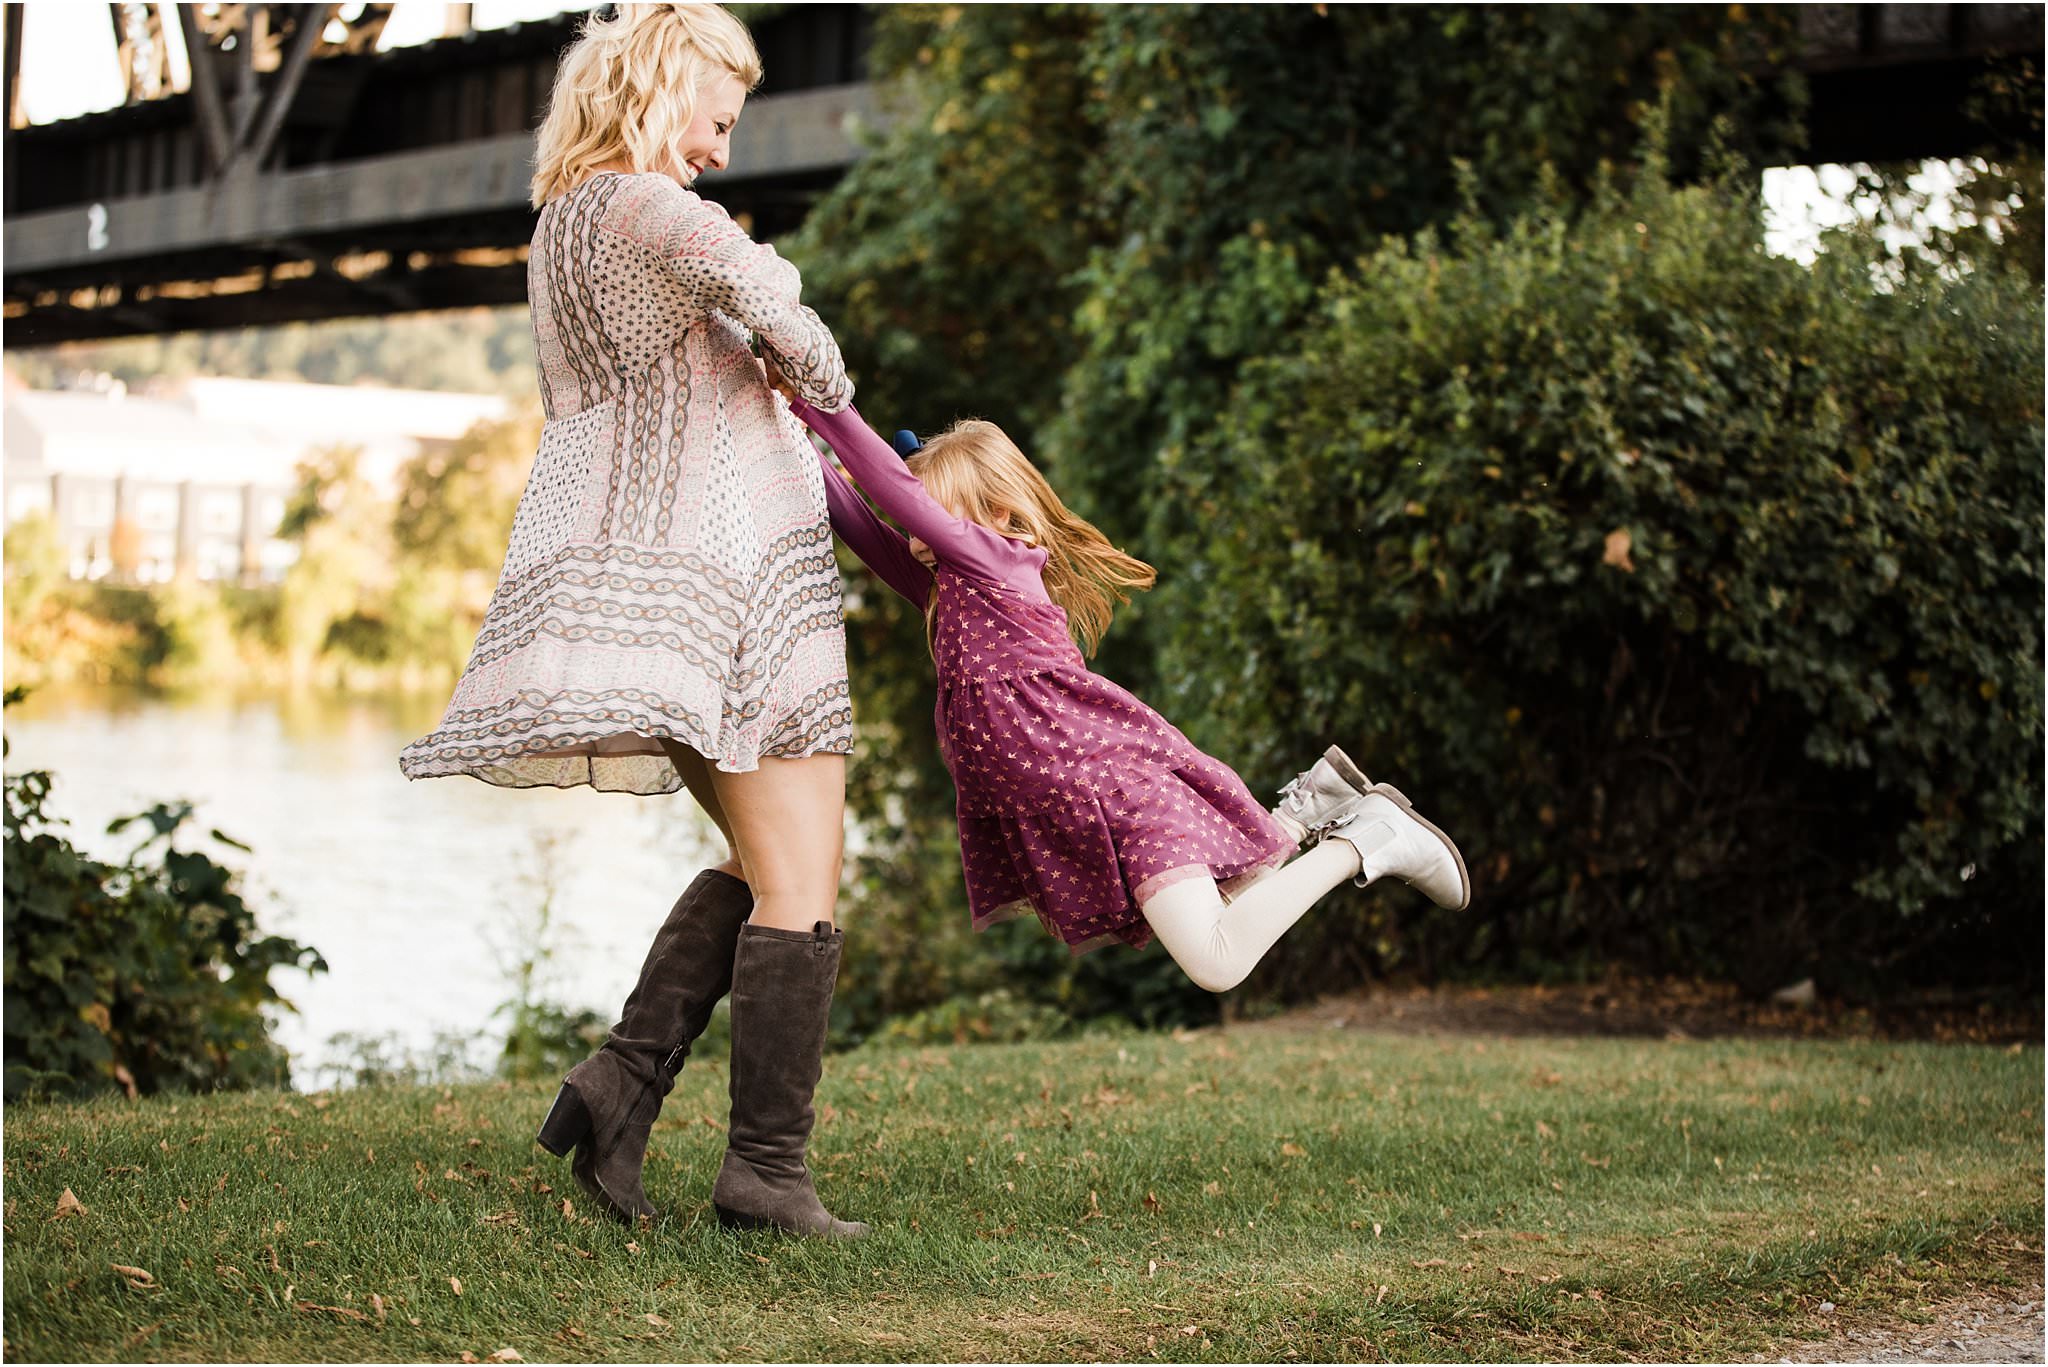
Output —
<point x="567" y="1125"/>
<point x="732" y="1219"/>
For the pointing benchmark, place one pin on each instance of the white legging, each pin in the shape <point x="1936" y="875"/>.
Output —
<point x="1218" y="943"/>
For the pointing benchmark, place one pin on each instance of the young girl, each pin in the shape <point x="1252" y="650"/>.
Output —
<point x="1076" y="799"/>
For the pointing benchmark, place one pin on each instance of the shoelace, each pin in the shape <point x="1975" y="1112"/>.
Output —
<point x="1312" y="835"/>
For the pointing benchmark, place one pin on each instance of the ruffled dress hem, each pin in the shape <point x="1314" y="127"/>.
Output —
<point x="1112" y="859"/>
<point x="613" y="761"/>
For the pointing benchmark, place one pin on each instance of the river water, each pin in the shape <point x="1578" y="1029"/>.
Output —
<point x="421" y="896"/>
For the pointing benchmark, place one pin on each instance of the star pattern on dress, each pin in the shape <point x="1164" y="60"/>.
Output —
<point x="1076" y="800"/>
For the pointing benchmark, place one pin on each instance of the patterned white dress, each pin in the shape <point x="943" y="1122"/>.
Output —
<point x="670" y="572"/>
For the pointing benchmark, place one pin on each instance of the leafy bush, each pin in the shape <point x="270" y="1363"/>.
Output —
<point x="149" y="975"/>
<point x="1698" y="591"/>
<point x="546" y="1039"/>
<point x="390" y="1058"/>
<point x="995" y="1017"/>
<point x="1084" y="222"/>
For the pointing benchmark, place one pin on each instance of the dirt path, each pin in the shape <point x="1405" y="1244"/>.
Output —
<point x="1664" y="1008"/>
<point x="1988" y="1326"/>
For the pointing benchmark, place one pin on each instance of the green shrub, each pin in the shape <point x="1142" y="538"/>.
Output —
<point x="149" y="975"/>
<point x="1697" y="591"/>
<point x="546" y="1039"/>
<point x="389" y="1058"/>
<point x="1103" y="317"/>
<point x="995" y="1017"/>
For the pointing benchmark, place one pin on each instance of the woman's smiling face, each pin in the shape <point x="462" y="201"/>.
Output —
<point x="706" y="144"/>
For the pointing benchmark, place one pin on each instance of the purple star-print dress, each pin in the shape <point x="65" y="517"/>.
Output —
<point x="1076" y="800"/>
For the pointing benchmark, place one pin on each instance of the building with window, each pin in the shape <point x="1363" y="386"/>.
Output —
<point x="194" y="482"/>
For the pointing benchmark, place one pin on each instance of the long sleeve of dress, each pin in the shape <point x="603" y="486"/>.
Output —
<point x="724" y="269"/>
<point x="958" y="543"/>
<point x="881" y="547"/>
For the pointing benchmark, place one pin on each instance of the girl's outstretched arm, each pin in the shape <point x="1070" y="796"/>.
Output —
<point x="958" y="543"/>
<point x="879" y="545"/>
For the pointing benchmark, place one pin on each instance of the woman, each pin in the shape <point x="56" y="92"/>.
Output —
<point x="668" y="614"/>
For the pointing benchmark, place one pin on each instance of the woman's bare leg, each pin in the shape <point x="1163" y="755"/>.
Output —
<point x="787" y="820"/>
<point x="696" y="772"/>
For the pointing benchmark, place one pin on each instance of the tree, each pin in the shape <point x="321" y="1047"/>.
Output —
<point x="1085" y="221"/>
<point x="1700" y="589"/>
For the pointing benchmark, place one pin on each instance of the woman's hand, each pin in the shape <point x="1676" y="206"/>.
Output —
<point x="777" y="381"/>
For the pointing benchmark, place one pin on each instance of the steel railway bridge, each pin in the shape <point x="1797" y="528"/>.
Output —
<point x="301" y="174"/>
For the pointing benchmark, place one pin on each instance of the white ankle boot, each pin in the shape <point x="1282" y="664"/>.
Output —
<point x="1393" y="841"/>
<point x="1327" y="792"/>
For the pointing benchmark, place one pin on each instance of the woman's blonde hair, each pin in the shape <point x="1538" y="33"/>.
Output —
<point x="628" y="88"/>
<point x="973" y="466"/>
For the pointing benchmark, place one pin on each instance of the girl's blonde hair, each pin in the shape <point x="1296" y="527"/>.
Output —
<point x="628" y="88"/>
<point x="973" y="466"/>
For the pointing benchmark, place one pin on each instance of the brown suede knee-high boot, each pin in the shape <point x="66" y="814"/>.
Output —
<point x="781" y="996"/>
<point x="609" y="1101"/>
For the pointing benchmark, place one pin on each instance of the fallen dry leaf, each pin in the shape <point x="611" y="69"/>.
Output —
<point x="377" y="1304"/>
<point x="632" y="1245"/>
<point x="505" y="1355"/>
<point x="657" y="1321"/>
<point x="1293" y="1151"/>
<point x="68" y="1205"/>
<point x="1430" y="1262"/>
<point x="455" y="1285"/>
<point x="307" y="1307"/>
<point x="137" y="1278"/>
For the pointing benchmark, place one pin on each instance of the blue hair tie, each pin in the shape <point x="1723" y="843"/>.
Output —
<point x="906" y="443"/>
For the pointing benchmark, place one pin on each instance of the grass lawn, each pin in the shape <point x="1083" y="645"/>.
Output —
<point x="1245" y="1195"/>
